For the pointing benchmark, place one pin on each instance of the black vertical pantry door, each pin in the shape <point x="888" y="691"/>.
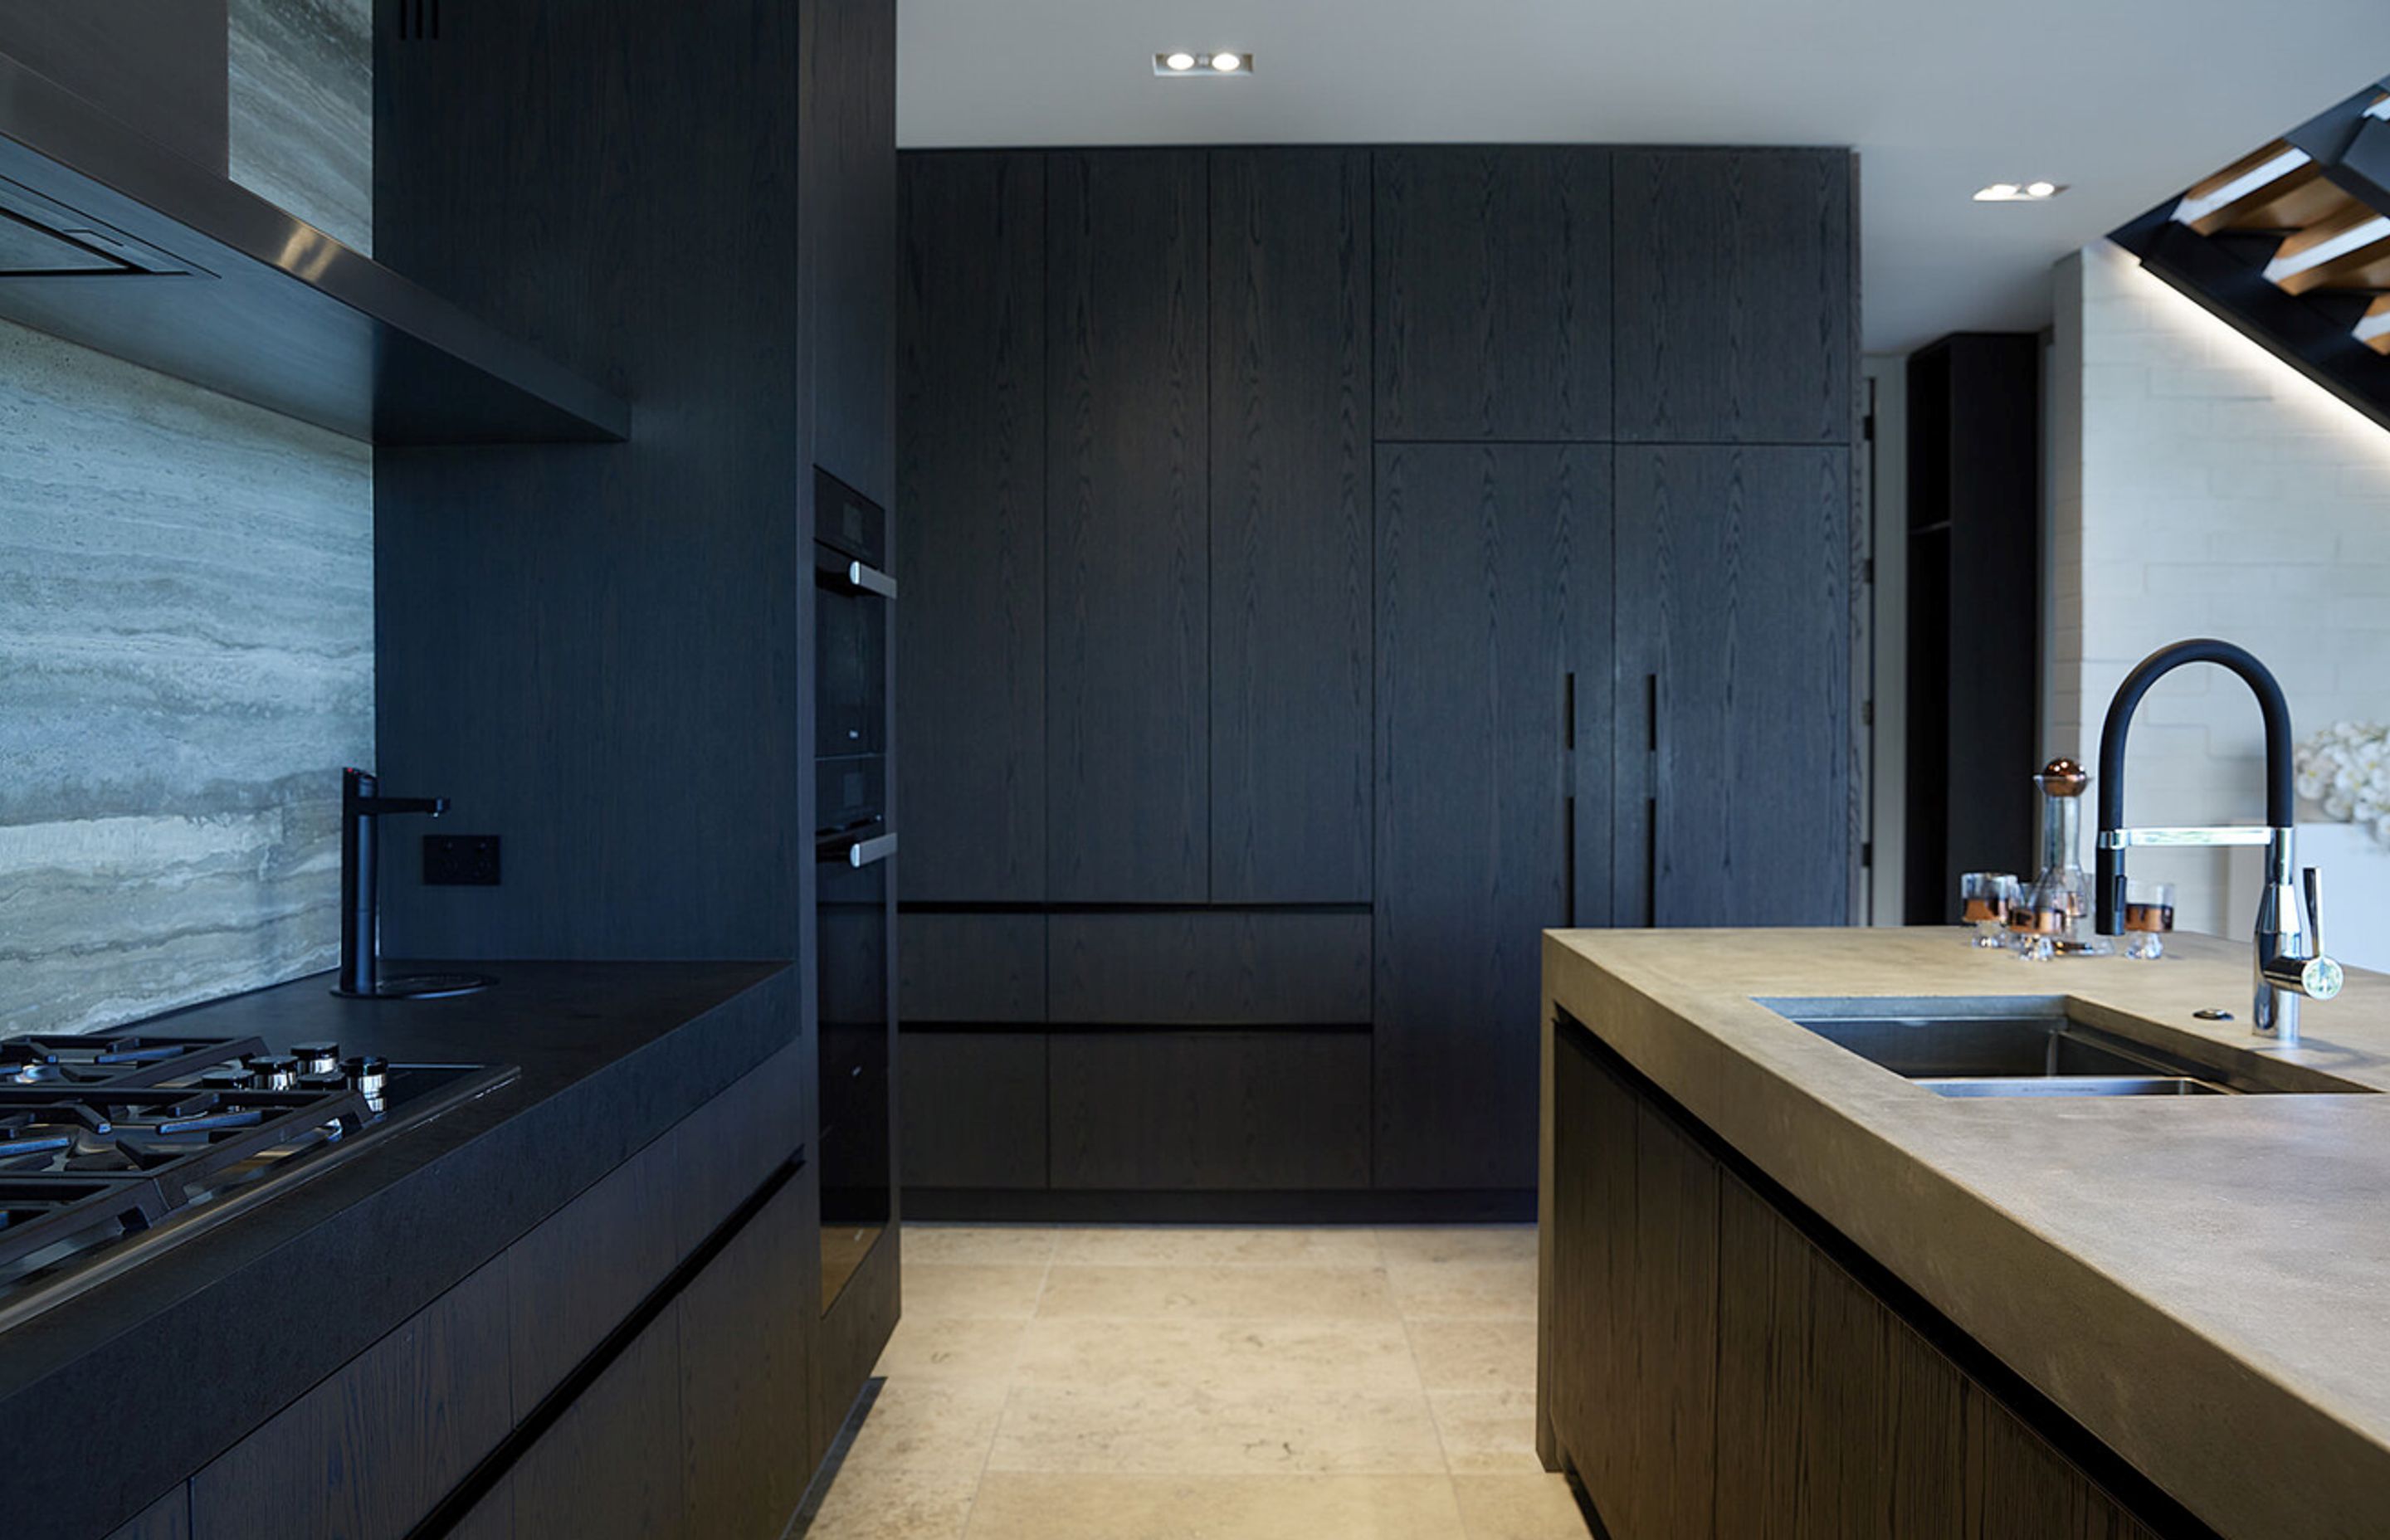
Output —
<point x="1494" y="611"/>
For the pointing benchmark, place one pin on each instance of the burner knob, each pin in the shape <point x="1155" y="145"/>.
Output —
<point x="273" y="1073"/>
<point x="366" y="1072"/>
<point x="316" y="1059"/>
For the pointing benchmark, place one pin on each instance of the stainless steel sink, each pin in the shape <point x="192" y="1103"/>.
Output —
<point x="2031" y="1046"/>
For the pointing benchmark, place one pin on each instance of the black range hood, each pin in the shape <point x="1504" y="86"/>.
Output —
<point x="111" y="239"/>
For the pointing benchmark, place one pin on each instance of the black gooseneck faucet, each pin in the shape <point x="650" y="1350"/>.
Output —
<point x="2290" y="961"/>
<point x="361" y="807"/>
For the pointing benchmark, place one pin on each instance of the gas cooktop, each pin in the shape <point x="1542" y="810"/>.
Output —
<point x="114" y="1147"/>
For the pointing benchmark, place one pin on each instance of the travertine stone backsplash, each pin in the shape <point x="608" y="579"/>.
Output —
<point x="301" y="109"/>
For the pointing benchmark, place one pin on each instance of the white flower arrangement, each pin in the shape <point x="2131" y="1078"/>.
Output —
<point x="2346" y="769"/>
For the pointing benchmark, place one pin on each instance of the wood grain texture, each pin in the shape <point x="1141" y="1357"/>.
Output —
<point x="586" y="1266"/>
<point x="852" y="1331"/>
<point x="167" y="1518"/>
<point x="1493" y="586"/>
<point x="746" y="1398"/>
<point x="1732" y="564"/>
<point x="970" y="528"/>
<point x="368" y="1451"/>
<point x="846" y="146"/>
<point x="970" y="968"/>
<point x="2020" y="1488"/>
<point x="1291" y="517"/>
<point x="491" y="1518"/>
<point x="1128" y="550"/>
<point x="1198" y="967"/>
<point x="161" y="65"/>
<point x="975" y="1112"/>
<point x="652" y="661"/>
<point x="606" y="1471"/>
<point x="1210" y="1111"/>
<point x="1493" y="289"/>
<point x="1736" y="287"/>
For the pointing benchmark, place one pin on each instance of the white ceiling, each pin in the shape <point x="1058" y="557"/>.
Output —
<point x="2126" y="101"/>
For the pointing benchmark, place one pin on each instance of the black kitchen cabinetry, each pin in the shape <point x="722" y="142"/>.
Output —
<point x="1494" y="599"/>
<point x="1975" y="612"/>
<point x="1313" y="625"/>
<point x="161" y="65"/>
<point x="1731" y="735"/>
<point x="1494" y="292"/>
<point x="1737" y="296"/>
<point x="1709" y="1366"/>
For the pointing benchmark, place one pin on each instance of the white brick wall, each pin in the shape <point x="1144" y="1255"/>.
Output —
<point x="2204" y="487"/>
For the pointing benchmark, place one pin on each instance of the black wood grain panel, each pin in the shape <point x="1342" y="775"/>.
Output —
<point x="597" y="651"/>
<point x="1733" y="642"/>
<point x="2020" y="1488"/>
<point x="161" y="65"/>
<point x="368" y="1451"/>
<point x="846" y="141"/>
<point x="970" y="528"/>
<point x="974" y="1109"/>
<point x="746" y="1397"/>
<point x="970" y="968"/>
<point x="1494" y="589"/>
<point x="1290" y="512"/>
<point x="574" y="1279"/>
<point x="727" y="1148"/>
<point x="607" y="1470"/>
<point x="1128" y="647"/>
<point x="1493" y="293"/>
<point x="1198" y="967"/>
<point x="1211" y="1110"/>
<point x="1737" y="286"/>
<point x="167" y="1518"/>
<point x="853" y="1332"/>
<point x="491" y="1518"/>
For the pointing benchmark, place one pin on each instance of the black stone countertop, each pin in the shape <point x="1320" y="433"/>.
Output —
<point x="113" y="1396"/>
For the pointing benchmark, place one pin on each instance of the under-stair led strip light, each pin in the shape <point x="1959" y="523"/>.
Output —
<point x="2190" y="211"/>
<point x="2322" y="251"/>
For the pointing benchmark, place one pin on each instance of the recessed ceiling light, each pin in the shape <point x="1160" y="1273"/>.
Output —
<point x="2014" y="192"/>
<point x="1180" y="62"/>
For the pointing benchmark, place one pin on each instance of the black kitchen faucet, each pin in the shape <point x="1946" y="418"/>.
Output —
<point x="362" y="808"/>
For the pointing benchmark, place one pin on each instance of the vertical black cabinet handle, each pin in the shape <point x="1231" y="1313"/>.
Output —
<point x="1652" y="801"/>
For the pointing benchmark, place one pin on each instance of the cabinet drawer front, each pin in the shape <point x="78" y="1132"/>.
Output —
<point x="974" y="1109"/>
<point x="970" y="968"/>
<point x="1210" y="1110"/>
<point x="1199" y="967"/>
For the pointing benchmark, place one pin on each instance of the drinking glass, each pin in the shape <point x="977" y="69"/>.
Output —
<point x="1985" y="900"/>
<point x="2037" y="919"/>
<point x="2148" y="914"/>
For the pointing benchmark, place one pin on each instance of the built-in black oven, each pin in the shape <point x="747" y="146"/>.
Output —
<point x="854" y="842"/>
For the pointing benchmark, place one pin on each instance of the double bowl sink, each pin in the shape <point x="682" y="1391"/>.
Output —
<point x="2004" y="1045"/>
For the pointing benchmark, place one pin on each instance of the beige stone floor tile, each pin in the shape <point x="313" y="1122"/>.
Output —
<point x="1263" y="1293"/>
<point x="1488" y="1432"/>
<point x="1504" y="1290"/>
<point x="1519" y="1508"/>
<point x="1177" y="1246"/>
<point x="1014" y="1243"/>
<point x="1179" y="1432"/>
<point x="1028" y="1506"/>
<point x="999" y="1289"/>
<point x="1474" y="1354"/>
<point x="934" y="1425"/>
<point x="1416" y="1243"/>
<point x="952" y="1347"/>
<point x="1093" y="1352"/>
<point x="896" y="1505"/>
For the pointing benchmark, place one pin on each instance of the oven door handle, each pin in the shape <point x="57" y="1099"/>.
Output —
<point x="869" y="580"/>
<point x="859" y="852"/>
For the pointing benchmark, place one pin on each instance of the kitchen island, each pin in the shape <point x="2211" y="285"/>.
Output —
<point x="1787" y="1290"/>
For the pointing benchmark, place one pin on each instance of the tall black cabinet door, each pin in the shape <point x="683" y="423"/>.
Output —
<point x="1128" y="799"/>
<point x="1493" y="293"/>
<point x="1732" y="727"/>
<point x="846" y="141"/>
<point x="1737" y="275"/>
<point x="1289" y="427"/>
<point x="1494" y="601"/>
<point x="970" y="529"/>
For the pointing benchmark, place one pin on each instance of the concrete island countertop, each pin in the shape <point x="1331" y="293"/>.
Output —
<point x="2204" y="1282"/>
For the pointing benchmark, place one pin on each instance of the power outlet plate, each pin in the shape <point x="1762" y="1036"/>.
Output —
<point x="460" y="860"/>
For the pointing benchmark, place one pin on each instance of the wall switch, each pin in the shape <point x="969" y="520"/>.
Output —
<point x="460" y="860"/>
